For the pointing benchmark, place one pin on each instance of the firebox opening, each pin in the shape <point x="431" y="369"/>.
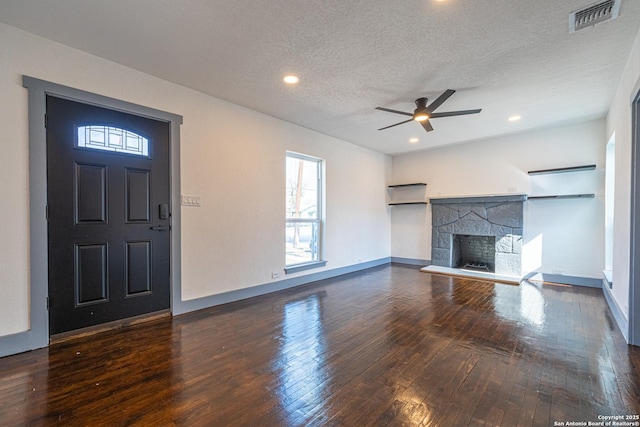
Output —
<point x="475" y="253"/>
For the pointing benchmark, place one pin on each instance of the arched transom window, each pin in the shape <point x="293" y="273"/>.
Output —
<point x="108" y="138"/>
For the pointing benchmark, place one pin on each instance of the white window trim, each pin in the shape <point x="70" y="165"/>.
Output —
<point x="294" y="268"/>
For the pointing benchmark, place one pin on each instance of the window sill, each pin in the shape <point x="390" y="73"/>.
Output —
<point x="302" y="267"/>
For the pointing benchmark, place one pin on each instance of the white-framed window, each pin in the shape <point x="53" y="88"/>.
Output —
<point x="108" y="138"/>
<point x="303" y="212"/>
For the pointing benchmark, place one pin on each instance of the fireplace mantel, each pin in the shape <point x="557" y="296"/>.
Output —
<point x="490" y="198"/>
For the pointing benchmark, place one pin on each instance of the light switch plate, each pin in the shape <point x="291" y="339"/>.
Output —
<point x="195" y="201"/>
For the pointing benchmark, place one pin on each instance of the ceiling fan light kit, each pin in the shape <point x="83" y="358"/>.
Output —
<point x="424" y="113"/>
<point x="421" y="114"/>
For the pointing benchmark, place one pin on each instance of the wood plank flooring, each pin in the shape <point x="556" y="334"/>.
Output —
<point x="389" y="346"/>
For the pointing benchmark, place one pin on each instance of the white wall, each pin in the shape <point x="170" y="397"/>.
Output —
<point x="560" y="236"/>
<point x="610" y="189"/>
<point x="230" y="156"/>
<point x="619" y="122"/>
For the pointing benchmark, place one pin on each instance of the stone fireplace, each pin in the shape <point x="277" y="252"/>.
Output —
<point x="478" y="233"/>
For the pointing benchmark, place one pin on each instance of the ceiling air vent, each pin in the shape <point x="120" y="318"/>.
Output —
<point x="594" y="14"/>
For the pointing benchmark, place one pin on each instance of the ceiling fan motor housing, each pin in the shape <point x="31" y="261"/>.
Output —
<point x="421" y="114"/>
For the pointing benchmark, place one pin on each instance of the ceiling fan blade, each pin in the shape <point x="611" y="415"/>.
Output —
<point x="427" y="125"/>
<point x="439" y="100"/>
<point x="454" y="113"/>
<point x="401" y="123"/>
<point x="394" y="111"/>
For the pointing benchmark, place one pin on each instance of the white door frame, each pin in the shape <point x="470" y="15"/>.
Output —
<point x="634" y="262"/>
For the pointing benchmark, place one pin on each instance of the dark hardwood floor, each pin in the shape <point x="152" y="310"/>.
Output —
<point x="388" y="346"/>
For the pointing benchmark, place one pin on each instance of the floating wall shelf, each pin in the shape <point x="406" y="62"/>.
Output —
<point x="564" y="196"/>
<point x="407" y="203"/>
<point x="563" y="170"/>
<point x="414" y="185"/>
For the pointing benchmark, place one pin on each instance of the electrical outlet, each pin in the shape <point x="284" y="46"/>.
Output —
<point x="275" y="275"/>
<point x="512" y="189"/>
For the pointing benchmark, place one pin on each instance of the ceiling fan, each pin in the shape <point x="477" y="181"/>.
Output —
<point x="423" y="113"/>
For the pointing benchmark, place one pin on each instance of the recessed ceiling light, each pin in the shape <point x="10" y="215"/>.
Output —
<point x="291" y="79"/>
<point x="414" y="140"/>
<point x="514" y="118"/>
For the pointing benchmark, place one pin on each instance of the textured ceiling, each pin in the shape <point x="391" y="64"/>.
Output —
<point x="504" y="56"/>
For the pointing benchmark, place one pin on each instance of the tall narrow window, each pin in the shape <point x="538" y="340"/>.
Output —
<point x="303" y="212"/>
<point x="610" y="186"/>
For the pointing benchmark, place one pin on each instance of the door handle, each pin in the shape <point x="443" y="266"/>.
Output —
<point x="161" y="228"/>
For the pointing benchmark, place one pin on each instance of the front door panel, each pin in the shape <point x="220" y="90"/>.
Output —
<point x="107" y="187"/>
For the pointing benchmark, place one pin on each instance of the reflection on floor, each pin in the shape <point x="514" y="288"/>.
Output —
<point x="386" y="346"/>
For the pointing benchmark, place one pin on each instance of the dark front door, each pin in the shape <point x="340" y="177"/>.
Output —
<point x="108" y="211"/>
